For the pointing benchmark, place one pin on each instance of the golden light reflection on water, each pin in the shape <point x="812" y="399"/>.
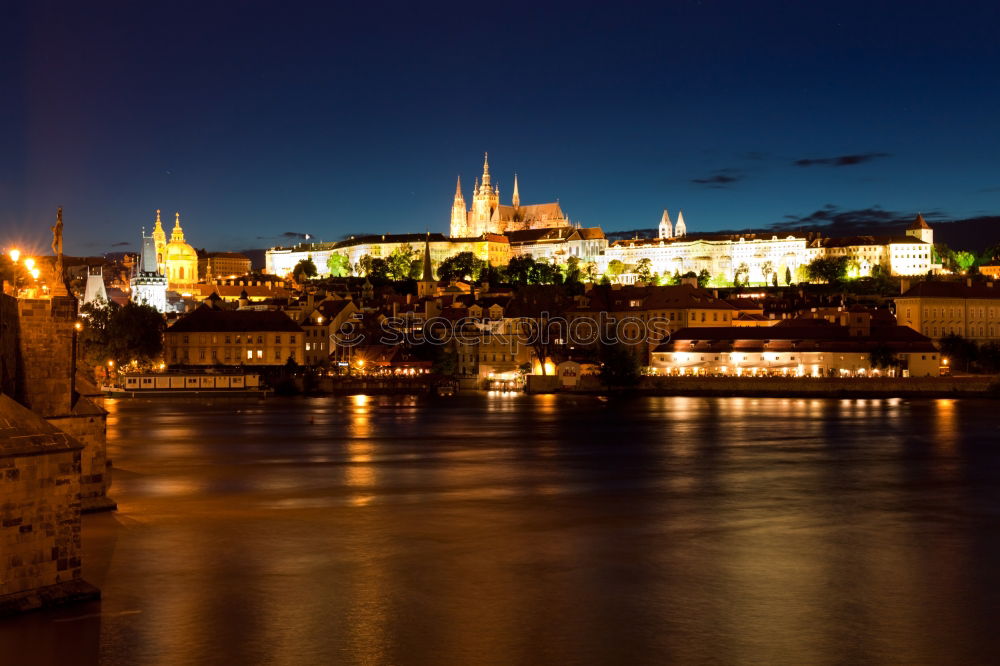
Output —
<point x="564" y="529"/>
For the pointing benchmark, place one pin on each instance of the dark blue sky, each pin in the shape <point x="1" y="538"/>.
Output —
<point x="257" y="119"/>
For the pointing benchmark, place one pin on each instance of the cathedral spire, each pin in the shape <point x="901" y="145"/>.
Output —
<point x="516" y="199"/>
<point x="458" y="189"/>
<point x="428" y="273"/>
<point x="680" y="229"/>
<point x="666" y="229"/>
<point x="486" y="169"/>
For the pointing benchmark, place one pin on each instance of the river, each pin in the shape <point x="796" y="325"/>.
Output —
<point x="514" y="529"/>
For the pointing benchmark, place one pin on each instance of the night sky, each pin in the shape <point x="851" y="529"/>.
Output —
<point x="260" y="121"/>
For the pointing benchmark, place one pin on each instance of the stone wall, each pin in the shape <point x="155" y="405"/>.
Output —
<point x="47" y="337"/>
<point x="47" y="342"/>
<point x="88" y="425"/>
<point x="11" y="368"/>
<point x="40" y="543"/>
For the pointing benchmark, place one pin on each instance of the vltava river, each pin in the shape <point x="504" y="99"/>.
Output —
<point x="539" y="529"/>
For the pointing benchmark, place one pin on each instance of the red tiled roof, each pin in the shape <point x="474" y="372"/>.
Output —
<point x="207" y="320"/>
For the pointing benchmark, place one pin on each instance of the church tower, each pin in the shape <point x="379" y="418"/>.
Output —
<point x="666" y="228"/>
<point x="149" y="286"/>
<point x="920" y="230"/>
<point x="516" y="199"/>
<point x="160" y="244"/>
<point x="484" y="202"/>
<point x="427" y="285"/>
<point x="680" y="229"/>
<point x="459" y="215"/>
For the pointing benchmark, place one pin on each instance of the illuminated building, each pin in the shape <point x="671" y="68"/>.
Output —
<point x="215" y="265"/>
<point x="148" y="283"/>
<point x="488" y="215"/>
<point x="233" y="337"/>
<point x="762" y="257"/>
<point x="794" y="348"/>
<point x="491" y="248"/>
<point x="937" y="309"/>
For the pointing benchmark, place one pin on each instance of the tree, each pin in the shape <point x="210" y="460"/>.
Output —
<point x="615" y="268"/>
<point x="704" y="277"/>
<point x="520" y="270"/>
<point x="881" y="357"/>
<point x="961" y="352"/>
<point x="963" y="260"/>
<point x="492" y="274"/>
<point x="339" y="265"/>
<point x="373" y="268"/>
<point x="788" y="275"/>
<point x="741" y="275"/>
<point x="572" y="272"/>
<point x="304" y="270"/>
<point x="643" y="270"/>
<point x="590" y="271"/>
<point x="462" y="266"/>
<point x="123" y="334"/>
<point x="832" y="270"/>
<point x="399" y="262"/>
<point x="619" y="366"/>
<point x="766" y="269"/>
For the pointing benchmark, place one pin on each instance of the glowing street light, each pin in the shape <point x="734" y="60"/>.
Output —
<point x="14" y="255"/>
<point x="34" y="272"/>
<point x="111" y="363"/>
<point x="29" y="263"/>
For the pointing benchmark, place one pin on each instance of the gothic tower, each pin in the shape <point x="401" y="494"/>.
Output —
<point x="666" y="228"/>
<point x="485" y="201"/>
<point x="459" y="215"/>
<point x="516" y="199"/>
<point x="427" y="285"/>
<point x="680" y="229"/>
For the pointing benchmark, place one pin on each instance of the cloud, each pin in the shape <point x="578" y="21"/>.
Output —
<point x="840" y="222"/>
<point x="288" y="235"/>
<point x="121" y="244"/>
<point x="720" y="178"/>
<point x="990" y="189"/>
<point x="841" y="161"/>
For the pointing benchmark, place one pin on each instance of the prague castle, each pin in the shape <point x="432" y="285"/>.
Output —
<point x="496" y="232"/>
<point x="488" y="215"/>
<point x="762" y="257"/>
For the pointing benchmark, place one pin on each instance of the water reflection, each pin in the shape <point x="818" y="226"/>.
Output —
<point x="518" y="529"/>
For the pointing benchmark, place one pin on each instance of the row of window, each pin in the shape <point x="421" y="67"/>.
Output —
<point x="932" y="331"/>
<point x="185" y="355"/>
<point x="203" y="338"/>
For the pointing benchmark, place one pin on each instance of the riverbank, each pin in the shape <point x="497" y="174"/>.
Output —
<point x="787" y="387"/>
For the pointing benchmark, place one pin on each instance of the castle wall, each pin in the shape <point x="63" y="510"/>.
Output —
<point x="47" y="350"/>
<point x="88" y="425"/>
<point x="40" y="544"/>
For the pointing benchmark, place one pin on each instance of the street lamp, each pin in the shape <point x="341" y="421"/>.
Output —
<point x="14" y="255"/>
<point x="29" y="263"/>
